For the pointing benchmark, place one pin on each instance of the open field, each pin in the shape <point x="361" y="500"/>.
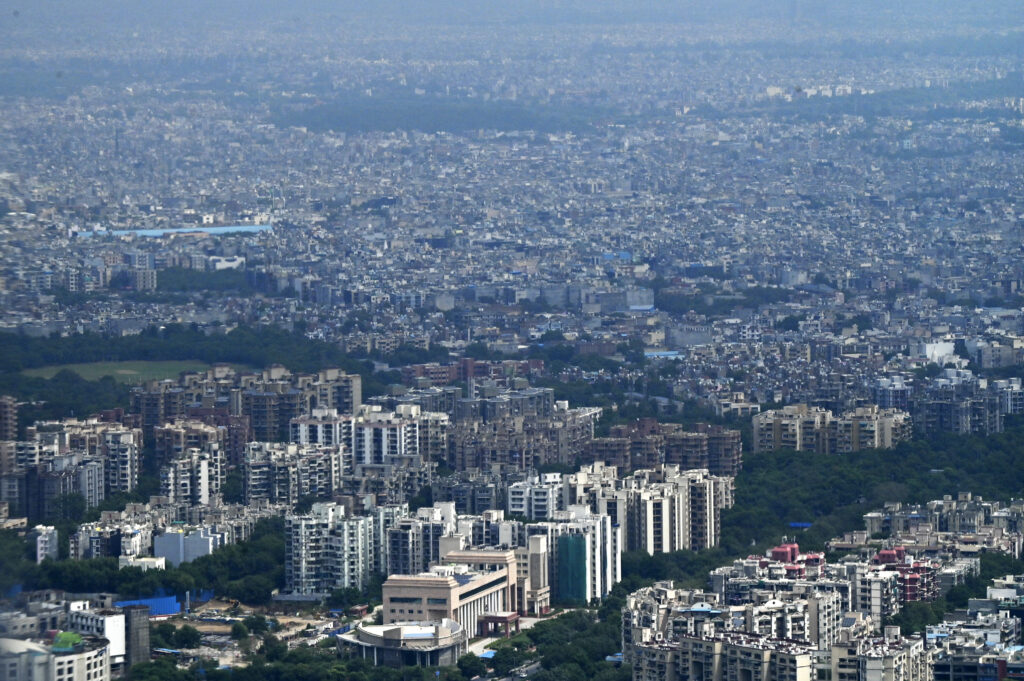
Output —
<point x="123" y="372"/>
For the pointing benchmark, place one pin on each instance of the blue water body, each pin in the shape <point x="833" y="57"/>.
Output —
<point x="225" y="229"/>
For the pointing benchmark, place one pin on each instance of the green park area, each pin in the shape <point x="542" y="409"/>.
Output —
<point x="122" y="372"/>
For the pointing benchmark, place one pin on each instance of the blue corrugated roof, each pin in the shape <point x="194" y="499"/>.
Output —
<point x="163" y="605"/>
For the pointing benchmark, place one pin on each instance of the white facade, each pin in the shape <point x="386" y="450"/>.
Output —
<point x="108" y="624"/>
<point x="322" y="427"/>
<point x="170" y="546"/>
<point x="176" y="547"/>
<point x="136" y="540"/>
<point x="25" y="661"/>
<point x="123" y="459"/>
<point x="536" y="499"/>
<point x="47" y="545"/>
<point x="20" y="660"/>
<point x="91" y="663"/>
<point x="192" y="478"/>
<point x="143" y="563"/>
<point x="373" y="437"/>
<point x="602" y="553"/>
<point x="350" y="551"/>
<point x="283" y="473"/>
<point x="91" y="481"/>
<point x="378" y="438"/>
<point x="384" y="517"/>
<point x="324" y="550"/>
<point x="202" y="542"/>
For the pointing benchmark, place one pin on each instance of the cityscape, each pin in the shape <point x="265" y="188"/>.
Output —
<point x="559" y="340"/>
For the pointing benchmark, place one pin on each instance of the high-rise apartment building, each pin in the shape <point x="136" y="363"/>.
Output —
<point x="284" y="473"/>
<point x="172" y="440"/>
<point x="189" y="479"/>
<point x="804" y="428"/>
<point x="647" y="443"/>
<point x="326" y="550"/>
<point x="8" y="418"/>
<point x="413" y="544"/>
<point x="537" y="498"/>
<point x="585" y="555"/>
<point x="390" y="454"/>
<point x="267" y="400"/>
<point x="661" y="509"/>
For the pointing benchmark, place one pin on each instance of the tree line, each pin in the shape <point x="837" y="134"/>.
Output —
<point x="256" y="346"/>
<point x="67" y="393"/>
<point x="248" y="571"/>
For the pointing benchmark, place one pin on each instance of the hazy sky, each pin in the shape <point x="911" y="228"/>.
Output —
<point x="185" y="15"/>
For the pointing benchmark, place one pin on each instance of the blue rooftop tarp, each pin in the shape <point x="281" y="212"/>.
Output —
<point x="160" y="606"/>
<point x="487" y="654"/>
<point x="662" y="354"/>
<point x="222" y="229"/>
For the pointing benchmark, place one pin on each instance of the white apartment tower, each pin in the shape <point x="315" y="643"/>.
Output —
<point x="325" y="550"/>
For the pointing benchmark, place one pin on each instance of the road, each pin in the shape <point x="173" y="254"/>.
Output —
<point x="523" y="672"/>
<point x="479" y="646"/>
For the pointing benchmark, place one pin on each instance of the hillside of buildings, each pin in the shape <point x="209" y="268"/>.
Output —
<point x="179" y="486"/>
<point x="555" y="339"/>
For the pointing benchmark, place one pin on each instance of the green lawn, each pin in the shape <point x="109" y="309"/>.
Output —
<point x="123" y="372"/>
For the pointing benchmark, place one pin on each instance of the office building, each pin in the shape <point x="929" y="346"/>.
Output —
<point x="407" y="644"/>
<point x="455" y="592"/>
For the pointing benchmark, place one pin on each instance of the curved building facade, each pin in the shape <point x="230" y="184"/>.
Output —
<point x="404" y="644"/>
